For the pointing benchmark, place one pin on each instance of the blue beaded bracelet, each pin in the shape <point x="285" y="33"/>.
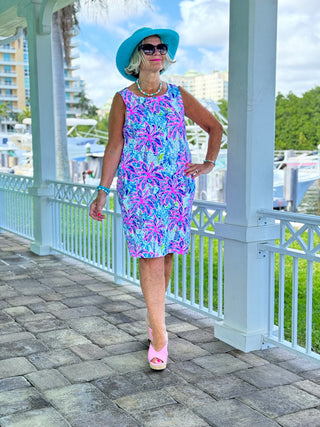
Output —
<point x="105" y="189"/>
<point x="210" y="161"/>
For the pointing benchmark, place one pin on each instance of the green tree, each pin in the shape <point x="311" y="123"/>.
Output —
<point x="83" y="102"/>
<point x="4" y="111"/>
<point x="223" y="105"/>
<point x="26" y="113"/>
<point x="298" y="121"/>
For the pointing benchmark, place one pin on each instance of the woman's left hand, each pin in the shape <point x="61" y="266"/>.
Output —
<point x="196" y="169"/>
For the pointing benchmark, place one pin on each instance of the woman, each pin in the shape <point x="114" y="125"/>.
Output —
<point x="147" y="142"/>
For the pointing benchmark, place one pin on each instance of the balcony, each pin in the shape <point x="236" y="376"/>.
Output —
<point x="76" y="342"/>
<point x="8" y="86"/>
<point x="8" y="97"/>
<point x="8" y="74"/>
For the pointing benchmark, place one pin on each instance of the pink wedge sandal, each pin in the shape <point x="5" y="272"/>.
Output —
<point x="160" y="356"/>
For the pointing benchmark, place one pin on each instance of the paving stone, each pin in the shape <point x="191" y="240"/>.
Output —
<point x="197" y="336"/>
<point x="78" y="400"/>
<point x="4" y="318"/>
<point x="46" y="307"/>
<point x="23" y="300"/>
<point x="216" y="347"/>
<point x="44" y="325"/>
<point x="134" y="328"/>
<point x="53" y="359"/>
<point x="180" y="349"/>
<point x="307" y="418"/>
<point x="129" y="362"/>
<point x="116" y="386"/>
<point x="220" y="364"/>
<point x="88" y="300"/>
<point x="300" y="365"/>
<point x="46" y="417"/>
<point x="275" y="354"/>
<point x="21" y="348"/>
<point x="19" y="336"/>
<point x="281" y="400"/>
<point x="75" y="313"/>
<point x="169" y="416"/>
<point x="13" y="383"/>
<point x="126" y="347"/>
<point x="189" y="395"/>
<point x="74" y="291"/>
<point x="47" y="379"/>
<point x="309" y="386"/>
<point x="17" y="311"/>
<point x="89" y="351"/>
<point x="62" y="338"/>
<point x="10" y="328"/>
<point x="313" y="375"/>
<point x="144" y="400"/>
<point x="180" y="327"/>
<point x="226" y="387"/>
<point x="112" y="417"/>
<point x="86" y="371"/>
<point x="52" y="296"/>
<point x="34" y="317"/>
<point x="7" y="292"/>
<point x="231" y="413"/>
<point x="99" y="331"/>
<point x="20" y="400"/>
<point x="249" y="358"/>
<point x="117" y="318"/>
<point x="268" y="376"/>
<point x="192" y="372"/>
<point x="112" y="307"/>
<point x="15" y="366"/>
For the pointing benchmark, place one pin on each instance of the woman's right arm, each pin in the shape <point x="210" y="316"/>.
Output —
<point x="112" y="154"/>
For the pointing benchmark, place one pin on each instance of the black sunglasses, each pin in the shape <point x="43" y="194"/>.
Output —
<point x="149" y="49"/>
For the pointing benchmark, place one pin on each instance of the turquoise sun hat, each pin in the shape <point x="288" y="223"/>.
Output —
<point x="169" y="37"/>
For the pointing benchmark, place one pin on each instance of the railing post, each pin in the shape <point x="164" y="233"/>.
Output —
<point x="119" y="262"/>
<point x="43" y="133"/>
<point x="252" y="56"/>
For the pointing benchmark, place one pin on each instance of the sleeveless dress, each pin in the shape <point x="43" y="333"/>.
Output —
<point x="155" y="195"/>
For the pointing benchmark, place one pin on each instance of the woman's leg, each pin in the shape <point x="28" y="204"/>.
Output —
<point x="168" y="259"/>
<point x="153" y="285"/>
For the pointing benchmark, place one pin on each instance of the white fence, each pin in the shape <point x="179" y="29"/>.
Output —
<point x="294" y="262"/>
<point x="197" y="280"/>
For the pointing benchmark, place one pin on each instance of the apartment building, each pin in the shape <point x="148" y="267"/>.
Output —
<point x="15" y="82"/>
<point x="212" y="86"/>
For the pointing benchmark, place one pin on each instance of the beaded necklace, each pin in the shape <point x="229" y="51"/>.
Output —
<point x="149" y="94"/>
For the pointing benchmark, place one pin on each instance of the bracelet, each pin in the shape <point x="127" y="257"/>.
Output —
<point x="210" y="161"/>
<point x="105" y="189"/>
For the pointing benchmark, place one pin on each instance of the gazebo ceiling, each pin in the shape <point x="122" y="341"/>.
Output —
<point x="11" y="18"/>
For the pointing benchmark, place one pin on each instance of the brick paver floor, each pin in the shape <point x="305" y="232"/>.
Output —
<point x="73" y="352"/>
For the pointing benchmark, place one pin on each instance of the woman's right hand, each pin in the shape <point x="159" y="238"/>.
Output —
<point x="97" y="206"/>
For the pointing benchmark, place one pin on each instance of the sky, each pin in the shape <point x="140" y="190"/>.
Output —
<point x="203" y="28"/>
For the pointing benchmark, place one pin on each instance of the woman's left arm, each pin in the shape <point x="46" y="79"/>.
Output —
<point x="206" y="120"/>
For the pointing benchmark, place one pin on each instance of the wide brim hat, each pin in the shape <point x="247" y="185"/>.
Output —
<point x="169" y="37"/>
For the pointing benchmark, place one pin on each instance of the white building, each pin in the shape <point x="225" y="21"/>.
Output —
<point x="210" y="86"/>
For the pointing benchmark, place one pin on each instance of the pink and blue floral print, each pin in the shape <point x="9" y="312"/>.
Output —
<point x="155" y="194"/>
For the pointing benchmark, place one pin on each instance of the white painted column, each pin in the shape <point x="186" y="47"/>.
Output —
<point x="252" y="57"/>
<point x="43" y="133"/>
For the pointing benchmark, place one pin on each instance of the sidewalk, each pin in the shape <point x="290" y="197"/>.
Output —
<point x="73" y="352"/>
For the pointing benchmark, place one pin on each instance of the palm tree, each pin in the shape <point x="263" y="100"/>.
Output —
<point x="4" y="111"/>
<point x="26" y="113"/>
<point x="63" y="24"/>
<point x="83" y="102"/>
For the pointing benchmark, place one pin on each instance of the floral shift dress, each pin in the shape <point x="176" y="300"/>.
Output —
<point x="155" y="195"/>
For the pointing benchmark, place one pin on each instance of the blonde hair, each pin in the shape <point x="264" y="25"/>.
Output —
<point x="137" y="57"/>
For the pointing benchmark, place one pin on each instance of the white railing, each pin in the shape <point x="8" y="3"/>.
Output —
<point x="16" y="205"/>
<point x="197" y="277"/>
<point x="294" y="272"/>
